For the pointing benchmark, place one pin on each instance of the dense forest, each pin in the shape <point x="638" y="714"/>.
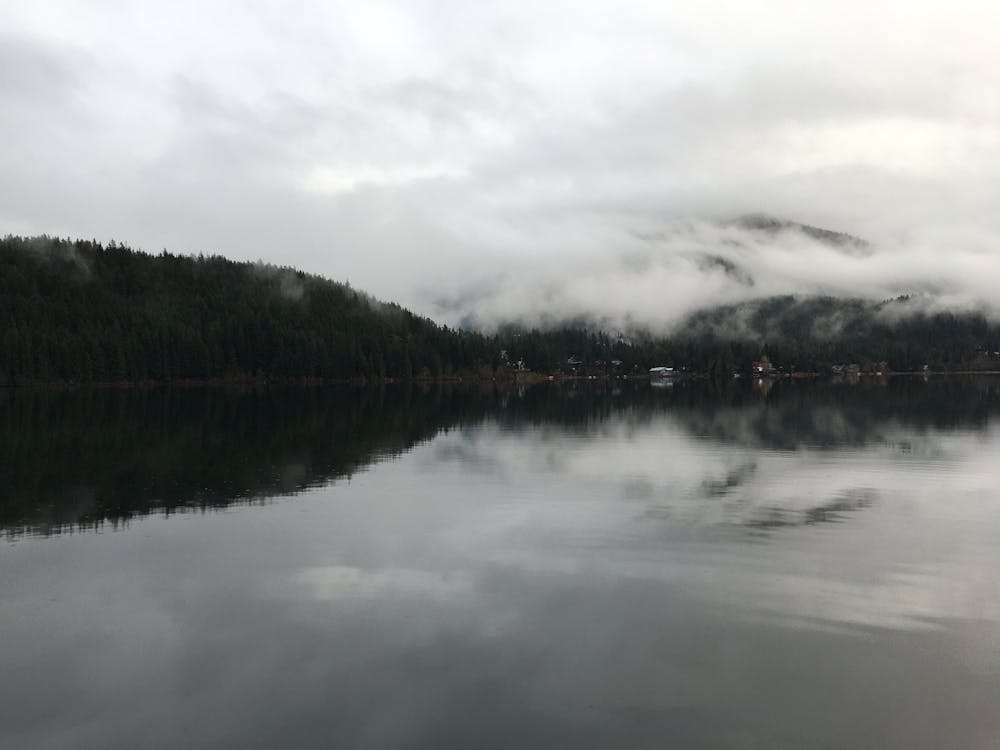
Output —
<point x="80" y="311"/>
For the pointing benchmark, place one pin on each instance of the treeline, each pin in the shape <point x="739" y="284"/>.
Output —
<point x="816" y="333"/>
<point x="80" y="311"/>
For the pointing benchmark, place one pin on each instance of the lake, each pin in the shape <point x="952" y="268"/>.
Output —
<point x="577" y="565"/>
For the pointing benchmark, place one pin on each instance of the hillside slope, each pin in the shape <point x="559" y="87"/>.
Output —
<point x="80" y="311"/>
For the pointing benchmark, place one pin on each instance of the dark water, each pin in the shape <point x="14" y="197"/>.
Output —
<point x="635" y="567"/>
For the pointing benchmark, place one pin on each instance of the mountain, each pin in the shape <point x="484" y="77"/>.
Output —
<point x="820" y="331"/>
<point x="770" y="225"/>
<point x="768" y="228"/>
<point x="79" y="311"/>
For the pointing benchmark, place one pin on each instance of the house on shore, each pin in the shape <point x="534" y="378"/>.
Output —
<point x="762" y="366"/>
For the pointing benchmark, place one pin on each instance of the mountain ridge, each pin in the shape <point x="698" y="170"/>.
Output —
<point x="77" y="311"/>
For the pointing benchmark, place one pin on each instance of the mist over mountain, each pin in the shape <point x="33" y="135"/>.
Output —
<point x="663" y="280"/>
<point x="772" y="225"/>
<point x="84" y="312"/>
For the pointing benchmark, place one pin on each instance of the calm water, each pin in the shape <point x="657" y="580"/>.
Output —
<point x="638" y="567"/>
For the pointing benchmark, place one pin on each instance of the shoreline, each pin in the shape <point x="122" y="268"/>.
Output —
<point x="517" y="379"/>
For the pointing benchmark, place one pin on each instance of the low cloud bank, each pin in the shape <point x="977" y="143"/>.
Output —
<point x="656" y="276"/>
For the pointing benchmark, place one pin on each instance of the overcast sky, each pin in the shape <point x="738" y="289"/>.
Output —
<point x="517" y="158"/>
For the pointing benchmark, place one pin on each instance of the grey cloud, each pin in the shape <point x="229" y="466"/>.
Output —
<point x="477" y="162"/>
<point x="42" y="89"/>
<point x="30" y="71"/>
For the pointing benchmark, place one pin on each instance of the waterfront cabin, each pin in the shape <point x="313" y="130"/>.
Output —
<point x="762" y="366"/>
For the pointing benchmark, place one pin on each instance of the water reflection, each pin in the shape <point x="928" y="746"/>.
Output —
<point x="698" y="566"/>
<point x="78" y="459"/>
<point x="73" y="460"/>
<point x="831" y="511"/>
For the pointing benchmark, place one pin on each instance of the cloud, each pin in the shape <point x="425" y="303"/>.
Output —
<point x="428" y="150"/>
<point x="655" y="278"/>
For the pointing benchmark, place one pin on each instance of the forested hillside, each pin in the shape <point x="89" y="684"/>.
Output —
<point x="815" y="333"/>
<point x="81" y="311"/>
<point x="78" y="311"/>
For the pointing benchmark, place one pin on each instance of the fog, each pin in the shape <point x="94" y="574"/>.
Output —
<point x="483" y="164"/>
<point x="654" y="279"/>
